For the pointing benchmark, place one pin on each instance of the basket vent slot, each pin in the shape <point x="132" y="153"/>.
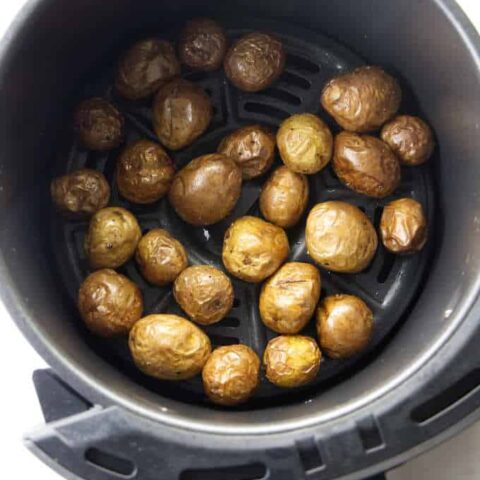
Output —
<point x="110" y="462"/>
<point x="267" y="110"/>
<point x="310" y="455"/>
<point x="254" y="471"/>
<point x="370" y="434"/>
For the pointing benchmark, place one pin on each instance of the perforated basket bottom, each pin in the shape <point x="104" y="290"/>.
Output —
<point x="388" y="286"/>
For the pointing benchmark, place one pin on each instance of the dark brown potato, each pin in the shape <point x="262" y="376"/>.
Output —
<point x="344" y="325"/>
<point x="340" y="237"/>
<point x="81" y="193"/>
<point x="204" y="293"/>
<point x="109" y="303"/>
<point x="291" y="360"/>
<point x="182" y="111"/>
<point x="289" y="297"/>
<point x="252" y="148"/>
<point x="254" y="249"/>
<point x="98" y="124"/>
<point x="403" y="226"/>
<point x="231" y="374"/>
<point x="112" y="237"/>
<point x="284" y="197"/>
<point x="202" y="44"/>
<point x="145" y="67"/>
<point x="366" y="164"/>
<point x="254" y="61"/>
<point x="206" y="190"/>
<point x="160" y="257"/>
<point x="144" y="172"/>
<point x="362" y="100"/>
<point x="168" y="347"/>
<point x="410" y="138"/>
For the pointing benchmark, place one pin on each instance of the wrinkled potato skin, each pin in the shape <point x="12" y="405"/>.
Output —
<point x="403" y="226"/>
<point x="340" y="237"/>
<point x="254" y="61"/>
<point x="252" y="148"/>
<point x="160" y="257"/>
<point x="81" y="193"/>
<point x="410" y="138"/>
<point x="366" y="164"/>
<point x="144" y="67"/>
<point x="204" y="293"/>
<point x="305" y="143"/>
<point x="182" y="111"/>
<point x="98" y="124"/>
<point x="112" y="237"/>
<point x="284" y="197"/>
<point x="144" y="172"/>
<point x="254" y="249"/>
<point x="344" y="325"/>
<point x="203" y="44"/>
<point x="291" y="360"/>
<point x="109" y="303"/>
<point x="206" y="190"/>
<point x="289" y="297"/>
<point x="231" y="375"/>
<point x="168" y="347"/>
<point x="362" y="100"/>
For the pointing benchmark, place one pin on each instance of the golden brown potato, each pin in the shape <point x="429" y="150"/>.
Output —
<point x="284" y="197"/>
<point x="305" y="143"/>
<point x="289" y="297"/>
<point x="144" y="172"/>
<point x="410" y="138"/>
<point x="231" y="374"/>
<point x="403" y="226"/>
<point x="254" y="249"/>
<point x="112" y="237"/>
<point x="168" y="347"/>
<point x="204" y="293"/>
<point x="366" y="164"/>
<point x="160" y="257"/>
<point x="291" y="360"/>
<point x="144" y="67"/>
<point x="81" y="193"/>
<point x="362" y="100"/>
<point x="109" y="303"/>
<point x="182" y="111"/>
<point x="206" y="190"/>
<point x="254" y="61"/>
<point x="340" y="237"/>
<point x="98" y="124"/>
<point x="344" y="325"/>
<point x="252" y="148"/>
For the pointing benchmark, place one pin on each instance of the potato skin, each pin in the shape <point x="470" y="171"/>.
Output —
<point x="305" y="143"/>
<point x="204" y="293"/>
<point x="362" y="100"/>
<point x="168" y="347"/>
<point x="340" y="237"/>
<point x="206" y="190"/>
<point x="410" y="138"/>
<point x="289" y="297"/>
<point x="284" y="197"/>
<point x="160" y="257"/>
<point x="81" y="193"/>
<point x="144" y="67"/>
<point x="182" y="111"/>
<point x="403" y="226"/>
<point x="254" y="249"/>
<point x="231" y="375"/>
<point x="291" y="360"/>
<point x="252" y="148"/>
<point x="109" y="303"/>
<point x="254" y="61"/>
<point x="344" y="325"/>
<point x="366" y="164"/>
<point x="112" y="237"/>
